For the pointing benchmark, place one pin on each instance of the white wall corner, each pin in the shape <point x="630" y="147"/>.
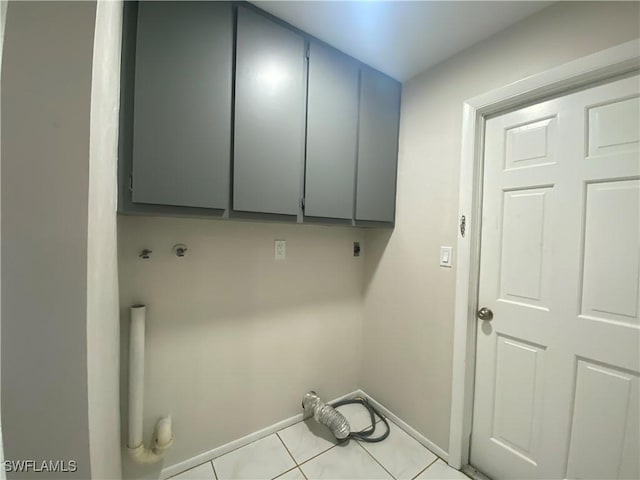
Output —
<point x="103" y="334"/>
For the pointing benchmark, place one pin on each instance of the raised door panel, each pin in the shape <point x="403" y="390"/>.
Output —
<point x="332" y="132"/>
<point x="614" y="127"/>
<point x="182" y="104"/>
<point x="611" y="262"/>
<point x="605" y="423"/>
<point x="524" y="264"/>
<point x="531" y="145"/>
<point x="269" y="116"/>
<point x="377" y="147"/>
<point x="517" y="406"/>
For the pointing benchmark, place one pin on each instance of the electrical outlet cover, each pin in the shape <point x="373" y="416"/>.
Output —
<point x="280" y="252"/>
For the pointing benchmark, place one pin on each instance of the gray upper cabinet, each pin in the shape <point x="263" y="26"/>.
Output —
<point x="226" y="111"/>
<point x="269" y="134"/>
<point x="377" y="146"/>
<point x="182" y="104"/>
<point x="332" y="133"/>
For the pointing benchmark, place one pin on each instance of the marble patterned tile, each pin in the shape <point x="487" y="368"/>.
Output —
<point x="263" y="459"/>
<point x="307" y="439"/>
<point x="441" y="471"/>
<point x="400" y="454"/>
<point x="201" y="472"/>
<point x="294" y="474"/>
<point x="346" y="461"/>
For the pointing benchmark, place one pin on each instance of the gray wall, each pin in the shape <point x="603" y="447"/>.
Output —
<point x="409" y="299"/>
<point x="3" y="17"/>
<point x="234" y="338"/>
<point x="46" y="99"/>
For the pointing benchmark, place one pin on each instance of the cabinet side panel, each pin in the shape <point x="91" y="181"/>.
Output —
<point x="378" y="147"/>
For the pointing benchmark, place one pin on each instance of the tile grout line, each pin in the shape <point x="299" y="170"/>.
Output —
<point x="426" y="468"/>
<point x="255" y="441"/>
<point x="242" y="446"/>
<point x="286" y="471"/>
<point x="375" y="459"/>
<point x="316" y="456"/>
<point x="295" y="463"/>
<point x="294" y="460"/>
<point x="215" y="474"/>
<point x="287" y="449"/>
<point x="402" y="430"/>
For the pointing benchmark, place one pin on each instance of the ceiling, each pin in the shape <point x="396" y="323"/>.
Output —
<point x="401" y="38"/>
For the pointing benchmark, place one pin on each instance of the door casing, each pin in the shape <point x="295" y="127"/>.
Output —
<point x="613" y="62"/>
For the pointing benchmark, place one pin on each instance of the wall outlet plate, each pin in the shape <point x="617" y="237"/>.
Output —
<point x="280" y="252"/>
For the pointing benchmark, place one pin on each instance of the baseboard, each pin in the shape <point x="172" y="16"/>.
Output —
<point x="472" y="473"/>
<point x="405" y="426"/>
<point x="241" y="442"/>
<point x="252" y="437"/>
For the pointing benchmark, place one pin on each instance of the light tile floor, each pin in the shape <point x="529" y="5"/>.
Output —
<point x="308" y="451"/>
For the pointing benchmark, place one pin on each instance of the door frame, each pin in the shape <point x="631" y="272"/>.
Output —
<point x="619" y="60"/>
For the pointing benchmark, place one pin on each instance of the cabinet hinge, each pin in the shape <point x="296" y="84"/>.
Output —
<point x="302" y="203"/>
<point x="131" y="183"/>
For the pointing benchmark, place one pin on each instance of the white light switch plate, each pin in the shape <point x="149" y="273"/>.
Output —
<point x="446" y="256"/>
<point x="280" y="250"/>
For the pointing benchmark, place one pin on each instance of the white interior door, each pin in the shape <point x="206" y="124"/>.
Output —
<point x="556" y="392"/>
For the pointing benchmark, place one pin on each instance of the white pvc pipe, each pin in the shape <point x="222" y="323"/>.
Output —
<point x="163" y="432"/>
<point x="136" y="375"/>
<point x="162" y="436"/>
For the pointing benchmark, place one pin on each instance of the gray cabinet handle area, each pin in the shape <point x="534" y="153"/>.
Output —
<point x="332" y="133"/>
<point x="269" y="116"/>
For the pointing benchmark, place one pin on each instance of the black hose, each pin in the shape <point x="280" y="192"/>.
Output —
<point x="365" y="435"/>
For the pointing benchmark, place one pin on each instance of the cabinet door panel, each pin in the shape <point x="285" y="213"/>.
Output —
<point x="182" y="104"/>
<point x="332" y="133"/>
<point x="377" y="147"/>
<point x="269" y="116"/>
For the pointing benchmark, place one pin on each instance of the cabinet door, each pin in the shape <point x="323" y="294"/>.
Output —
<point x="269" y="116"/>
<point x="182" y="104"/>
<point x="377" y="146"/>
<point x="332" y="133"/>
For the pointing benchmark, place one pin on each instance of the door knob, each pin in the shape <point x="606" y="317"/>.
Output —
<point x="485" y="314"/>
